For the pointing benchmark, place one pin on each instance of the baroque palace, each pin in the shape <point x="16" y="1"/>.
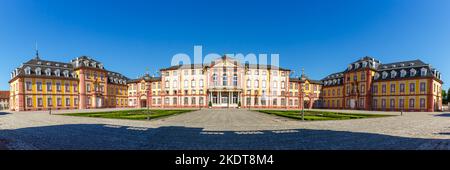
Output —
<point x="84" y="83"/>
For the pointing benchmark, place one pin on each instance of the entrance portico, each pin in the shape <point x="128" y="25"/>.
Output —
<point x="224" y="98"/>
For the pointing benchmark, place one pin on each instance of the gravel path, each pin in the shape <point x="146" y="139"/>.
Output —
<point x="223" y="129"/>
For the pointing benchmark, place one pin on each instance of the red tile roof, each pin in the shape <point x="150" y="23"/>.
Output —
<point x="4" y="94"/>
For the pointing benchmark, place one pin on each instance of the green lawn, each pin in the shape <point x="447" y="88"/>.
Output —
<point x="320" y="115"/>
<point x="140" y="114"/>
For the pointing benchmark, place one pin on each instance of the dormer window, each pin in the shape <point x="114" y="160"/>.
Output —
<point x="57" y="65"/>
<point x="65" y="66"/>
<point x="350" y="67"/>
<point x="411" y="64"/>
<point x="356" y="65"/>
<point x="86" y="63"/>
<point x="49" y="64"/>
<point x="334" y="81"/>
<point x="39" y="63"/>
<point x="423" y="72"/>
<point x="364" y="64"/>
<point x="57" y="72"/>
<point x="74" y="75"/>
<point x="393" y="66"/>
<point x="66" y="73"/>
<point x="413" y="72"/>
<point x="48" y="72"/>
<point x="393" y="74"/>
<point x="377" y="76"/>
<point x="385" y="67"/>
<point x="402" y="73"/>
<point x="403" y="65"/>
<point x="28" y="70"/>
<point x="38" y="71"/>
<point x="385" y="74"/>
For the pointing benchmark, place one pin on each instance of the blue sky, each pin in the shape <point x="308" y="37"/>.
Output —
<point x="322" y="36"/>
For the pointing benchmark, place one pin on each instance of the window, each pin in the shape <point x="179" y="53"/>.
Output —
<point x="275" y="84"/>
<point x="174" y="101"/>
<point x="363" y="76"/>
<point x="59" y="101"/>
<point x="402" y="73"/>
<point x="282" y="84"/>
<point x="29" y="102"/>
<point x="215" y="79"/>
<point x="375" y="103"/>
<point x="224" y="80"/>
<point x="201" y="83"/>
<point x="39" y="86"/>
<point x="401" y="103"/>
<point x="402" y="88"/>
<point x="392" y="103"/>
<point x="39" y="102"/>
<point x="383" y="103"/>
<point x="186" y="84"/>
<point x="375" y="89"/>
<point x="193" y="83"/>
<point x="38" y="71"/>
<point x="49" y="102"/>
<point x="264" y="84"/>
<point x="186" y="100"/>
<point x="423" y="72"/>
<point x="392" y="88"/>
<point x="167" y="83"/>
<point x="412" y="87"/>
<point x="88" y="87"/>
<point x="75" y="87"/>
<point x="174" y="85"/>
<point x="200" y="101"/>
<point x="66" y="86"/>
<point x="363" y="89"/>
<point x="256" y="83"/>
<point x="422" y="87"/>
<point x="235" y="80"/>
<point x="383" y="88"/>
<point x="28" y="86"/>
<point x="75" y="101"/>
<point x="67" y="101"/>
<point x="193" y="101"/>
<point x="28" y="70"/>
<point x="411" y="103"/>
<point x="48" y="72"/>
<point x="422" y="103"/>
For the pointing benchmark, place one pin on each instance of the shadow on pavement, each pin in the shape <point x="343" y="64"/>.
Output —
<point x="443" y="115"/>
<point x="100" y="137"/>
<point x="4" y="113"/>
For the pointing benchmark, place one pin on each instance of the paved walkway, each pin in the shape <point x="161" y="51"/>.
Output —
<point x="223" y="129"/>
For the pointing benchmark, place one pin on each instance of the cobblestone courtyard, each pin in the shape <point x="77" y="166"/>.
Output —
<point x="223" y="129"/>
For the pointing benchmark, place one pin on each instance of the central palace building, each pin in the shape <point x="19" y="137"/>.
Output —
<point x="85" y="83"/>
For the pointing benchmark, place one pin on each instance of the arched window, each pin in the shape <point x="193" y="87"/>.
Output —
<point x="224" y="80"/>
<point x="235" y="80"/>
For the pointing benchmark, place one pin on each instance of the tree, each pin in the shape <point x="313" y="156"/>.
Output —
<point x="444" y="97"/>
<point x="448" y="96"/>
